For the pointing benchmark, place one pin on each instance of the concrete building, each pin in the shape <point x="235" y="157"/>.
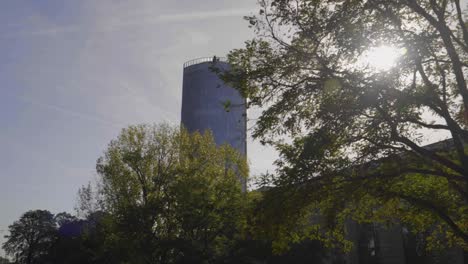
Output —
<point x="209" y="104"/>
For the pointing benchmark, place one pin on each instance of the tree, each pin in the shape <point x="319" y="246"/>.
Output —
<point x="4" y="260"/>
<point x="88" y="201"/>
<point x="41" y="237"/>
<point x="172" y="196"/>
<point x="31" y="236"/>
<point x="82" y="240"/>
<point x="64" y="218"/>
<point x="351" y="138"/>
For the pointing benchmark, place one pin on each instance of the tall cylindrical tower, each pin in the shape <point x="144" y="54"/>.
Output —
<point x="208" y="103"/>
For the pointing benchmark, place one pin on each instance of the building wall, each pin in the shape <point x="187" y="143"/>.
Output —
<point x="209" y="104"/>
<point x="392" y="245"/>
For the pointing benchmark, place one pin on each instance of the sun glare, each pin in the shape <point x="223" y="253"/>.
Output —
<point x="382" y="58"/>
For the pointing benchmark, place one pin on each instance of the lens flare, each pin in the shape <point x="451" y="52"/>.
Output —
<point x="382" y="58"/>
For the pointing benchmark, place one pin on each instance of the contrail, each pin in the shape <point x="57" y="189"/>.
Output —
<point x="204" y="15"/>
<point x="140" y="20"/>
<point x="74" y="113"/>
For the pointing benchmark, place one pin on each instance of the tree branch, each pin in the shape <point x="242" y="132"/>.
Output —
<point x="439" y="211"/>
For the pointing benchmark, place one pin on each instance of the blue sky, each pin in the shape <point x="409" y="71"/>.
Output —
<point x="73" y="73"/>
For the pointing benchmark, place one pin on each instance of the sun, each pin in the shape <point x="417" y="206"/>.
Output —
<point x="382" y="58"/>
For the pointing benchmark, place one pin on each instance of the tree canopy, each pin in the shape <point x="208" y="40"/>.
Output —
<point x="351" y="137"/>
<point x="31" y="236"/>
<point x="4" y="260"/>
<point x="172" y="196"/>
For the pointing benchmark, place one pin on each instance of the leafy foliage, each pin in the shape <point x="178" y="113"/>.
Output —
<point x="172" y="196"/>
<point x="88" y="201"/>
<point x="350" y="136"/>
<point x="31" y="236"/>
<point x="41" y="237"/>
<point x="4" y="260"/>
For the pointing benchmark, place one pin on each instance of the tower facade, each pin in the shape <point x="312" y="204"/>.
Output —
<point x="209" y="104"/>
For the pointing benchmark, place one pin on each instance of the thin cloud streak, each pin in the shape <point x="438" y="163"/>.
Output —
<point x="69" y="112"/>
<point x="204" y="15"/>
<point x="141" y="20"/>
<point x="90" y="117"/>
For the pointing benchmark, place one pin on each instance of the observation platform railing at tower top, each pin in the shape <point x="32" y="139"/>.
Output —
<point x="204" y="59"/>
